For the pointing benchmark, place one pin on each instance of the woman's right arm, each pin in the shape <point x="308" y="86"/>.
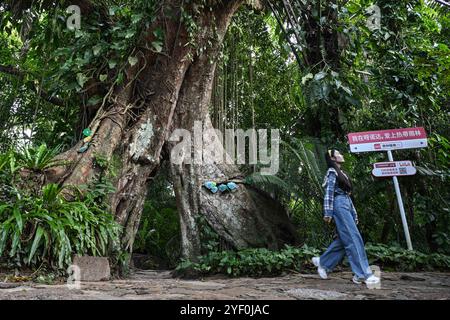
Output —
<point x="328" y="200"/>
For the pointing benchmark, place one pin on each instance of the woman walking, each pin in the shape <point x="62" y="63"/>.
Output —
<point x="339" y="207"/>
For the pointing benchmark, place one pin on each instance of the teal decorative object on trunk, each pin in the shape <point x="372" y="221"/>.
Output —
<point x="223" y="188"/>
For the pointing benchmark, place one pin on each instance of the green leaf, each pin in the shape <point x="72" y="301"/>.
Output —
<point x="347" y="90"/>
<point x="269" y="182"/>
<point x="112" y="10"/>
<point x="18" y="217"/>
<point x="129" y="34"/>
<point x="15" y="244"/>
<point x="132" y="60"/>
<point x="307" y="77"/>
<point x="4" y="207"/>
<point x="96" y="50"/>
<point x="119" y="78"/>
<point x="81" y="79"/>
<point x="158" y="33"/>
<point x="36" y="241"/>
<point x="94" y="100"/>
<point x="320" y="75"/>
<point x="157" y="45"/>
<point x="136" y="17"/>
<point x="4" y="238"/>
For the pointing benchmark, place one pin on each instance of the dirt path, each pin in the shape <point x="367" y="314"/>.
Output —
<point x="160" y="285"/>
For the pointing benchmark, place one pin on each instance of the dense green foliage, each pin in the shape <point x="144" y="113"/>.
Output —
<point x="396" y="76"/>
<point x="38" y="225"/>
<point x="263" y="262"/>
<point x="159" y="231"/>
<point x="77" y="67"/>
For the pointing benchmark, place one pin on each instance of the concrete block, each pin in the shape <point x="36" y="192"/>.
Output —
<point x="92" y="268"/>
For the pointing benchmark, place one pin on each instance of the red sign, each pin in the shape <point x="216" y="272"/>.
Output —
<point x="393" y="168"/>
<point x="383" y="140"/>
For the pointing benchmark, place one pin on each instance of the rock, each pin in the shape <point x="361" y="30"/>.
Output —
<point x="141" y="291"/>
<point x="93" y="268"/>
<point x="7" y="285"/>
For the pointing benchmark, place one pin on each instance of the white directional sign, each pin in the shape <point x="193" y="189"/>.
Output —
<point x="383" y="140"/>
<point x="393" y="168"/>
<point x="388" y="140"/>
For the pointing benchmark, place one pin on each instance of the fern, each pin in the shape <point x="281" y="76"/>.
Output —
<point x="269" y="183"/>
<point x="313" y="163"/>
<point x="39" y="158"/>
<point x="47" y="228"/>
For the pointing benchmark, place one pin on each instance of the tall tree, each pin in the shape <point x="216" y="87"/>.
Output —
<point x="166" y="86"/>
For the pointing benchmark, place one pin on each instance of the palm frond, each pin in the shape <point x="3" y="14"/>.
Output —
<point x="312" y="162"/>
<point x="423" y="170"/>
<point x="438" y="3"/>
<point x="269" y="183"/>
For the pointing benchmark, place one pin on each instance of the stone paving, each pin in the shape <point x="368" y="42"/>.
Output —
<point x="146" y="284"/>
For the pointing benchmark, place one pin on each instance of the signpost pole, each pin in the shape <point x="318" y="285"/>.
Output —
<point x="400" y="205"/>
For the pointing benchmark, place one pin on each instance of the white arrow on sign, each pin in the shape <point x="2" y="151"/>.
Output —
<point x="384" y="140"/>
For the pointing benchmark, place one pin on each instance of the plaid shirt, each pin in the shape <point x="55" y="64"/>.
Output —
<point x="329" y="184"/>
<point x="328" y="201"/>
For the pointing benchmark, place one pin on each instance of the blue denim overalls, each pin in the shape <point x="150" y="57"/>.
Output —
<point x="349" y="241"/>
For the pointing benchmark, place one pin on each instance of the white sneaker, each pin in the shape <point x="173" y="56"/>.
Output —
<point x="316" y="261"/>
<point x="372" y="282"/>
<point x="356" y="280"/>
<point x="321" y="271"/>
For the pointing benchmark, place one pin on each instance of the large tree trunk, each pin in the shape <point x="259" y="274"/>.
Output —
<point x="246" y="218"/>
<point x="135" y="126"/>
<point x="164" y="92"/>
